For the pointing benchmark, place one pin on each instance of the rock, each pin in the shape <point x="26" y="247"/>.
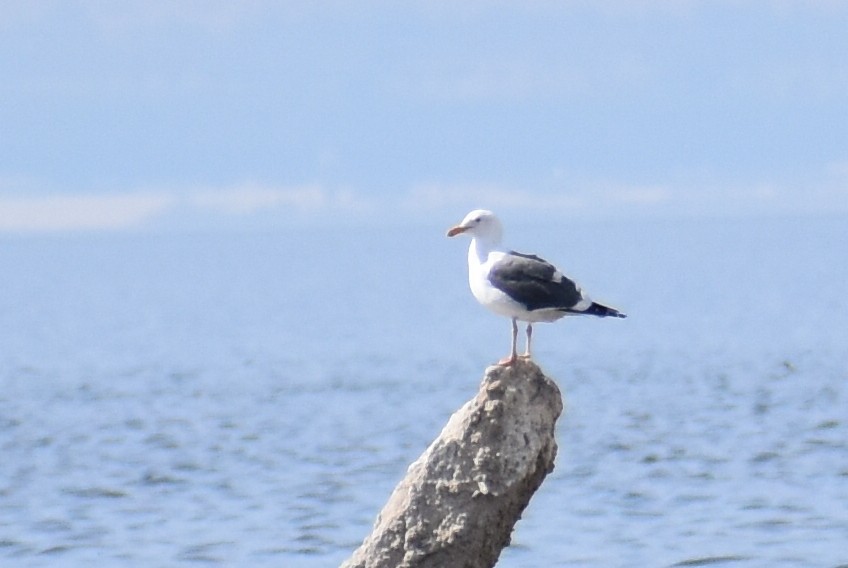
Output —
<point x="459" y="501"/>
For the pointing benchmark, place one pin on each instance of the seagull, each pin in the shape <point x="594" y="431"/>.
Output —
<point x="520" y="286"/>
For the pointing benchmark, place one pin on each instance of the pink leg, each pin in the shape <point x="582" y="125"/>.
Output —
<point x="529" y="336"/>
<point x="513" y="355"/>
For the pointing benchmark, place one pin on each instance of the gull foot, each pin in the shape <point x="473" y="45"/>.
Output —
<point x="507" y="361"/>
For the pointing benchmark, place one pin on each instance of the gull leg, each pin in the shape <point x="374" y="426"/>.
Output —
<point x="513" y="355"/>
<point x="529" y="336"/>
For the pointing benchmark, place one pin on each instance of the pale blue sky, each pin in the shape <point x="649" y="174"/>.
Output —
<point x="162" y="114"/>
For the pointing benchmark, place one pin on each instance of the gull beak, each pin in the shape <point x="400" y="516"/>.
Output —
<point x="454" y="231"/>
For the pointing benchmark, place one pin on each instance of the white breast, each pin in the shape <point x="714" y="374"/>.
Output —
<point x="485" y="293"/>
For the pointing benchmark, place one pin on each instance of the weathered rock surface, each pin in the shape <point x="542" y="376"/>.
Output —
<point x="459" y="501"/>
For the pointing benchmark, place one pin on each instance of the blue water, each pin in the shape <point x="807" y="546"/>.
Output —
<point x="252" y="399"/>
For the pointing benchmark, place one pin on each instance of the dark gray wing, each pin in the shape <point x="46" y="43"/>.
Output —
<point x="534" y="282"/>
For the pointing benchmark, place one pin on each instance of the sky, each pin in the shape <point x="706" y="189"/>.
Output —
<point x="163" y="115"/>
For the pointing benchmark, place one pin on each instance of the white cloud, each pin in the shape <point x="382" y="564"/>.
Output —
<point x="515" y="78"/>
<point x="132" y="210"/>
<point x="81" y="212"/>
<point x="314" y="204"/>
<point x="592" y="197"/>
<point x="251" y="198"/>
<point x="622" y="199"/>
<point x="429" y="197"/>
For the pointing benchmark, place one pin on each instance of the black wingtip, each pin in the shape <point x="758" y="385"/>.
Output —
<point x="603" y="311"/>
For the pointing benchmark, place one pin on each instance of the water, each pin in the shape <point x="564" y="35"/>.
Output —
<point x="253" y="399"/>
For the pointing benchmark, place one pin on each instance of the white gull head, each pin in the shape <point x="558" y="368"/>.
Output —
<point x="481" y="225"/>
